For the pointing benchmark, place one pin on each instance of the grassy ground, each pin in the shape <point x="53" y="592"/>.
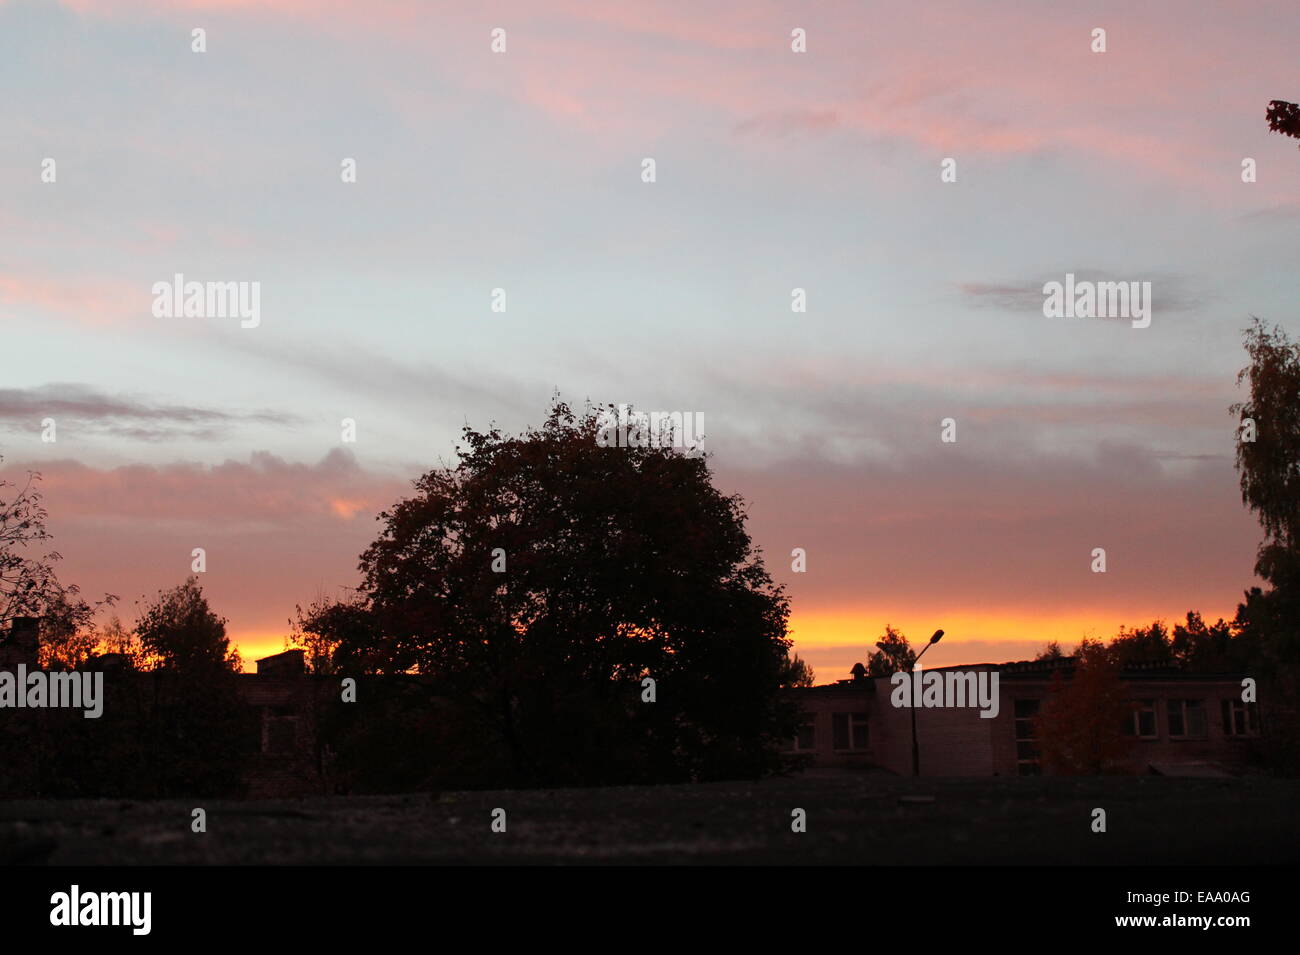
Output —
<point x="851" y="818"/>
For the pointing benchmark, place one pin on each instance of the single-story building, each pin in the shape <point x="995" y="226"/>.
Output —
<point x="1181" y="723"/>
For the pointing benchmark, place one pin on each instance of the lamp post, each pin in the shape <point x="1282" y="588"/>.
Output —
<point x="916" y="752"/>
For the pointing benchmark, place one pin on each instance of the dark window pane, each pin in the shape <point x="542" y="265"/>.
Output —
<point x="859" y="730"/>
<point x="1026" y="750"/>
<point x="840" y="730"/>
<point x="807" y="735"/>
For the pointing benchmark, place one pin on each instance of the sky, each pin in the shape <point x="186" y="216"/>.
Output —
<point x="775" y="170"/>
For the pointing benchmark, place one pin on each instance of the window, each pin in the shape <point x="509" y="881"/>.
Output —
<point x="1142" y="721"/>
<point x="1027" y="738"/>
<point x="279" y="730"/>
<point x="1187" y="719"/>
<point x="1239" y="719"/>
<point x="806" y="737"/>
<point x="849" y="731"/>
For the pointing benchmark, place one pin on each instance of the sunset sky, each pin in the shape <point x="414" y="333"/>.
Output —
<point x="775" y="170"/>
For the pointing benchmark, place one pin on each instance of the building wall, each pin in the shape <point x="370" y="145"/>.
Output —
<point x="1164" y="752"/>
<point x="288" y="761"/>
<point x="1006" y="752"/>
<point x="959" y="742"/>
<point x="822" y="705"/>
<point x="951" y="742"/>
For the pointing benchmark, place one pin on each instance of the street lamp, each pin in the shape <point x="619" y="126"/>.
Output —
<point x="916" y="752"/>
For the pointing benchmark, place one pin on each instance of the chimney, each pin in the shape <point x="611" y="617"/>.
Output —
<point x="24" y="643"/>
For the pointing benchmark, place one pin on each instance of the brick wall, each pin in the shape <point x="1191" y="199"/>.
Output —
<point x="288" y="761"/>
<point x="1210" y="749"/>
<point x="951" y="742"/>
<point x="837" y="736"/>
<point x="959" y="742"/>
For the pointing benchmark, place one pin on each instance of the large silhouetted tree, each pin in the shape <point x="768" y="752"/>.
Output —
<point x="1268" y="459"/>
<point x="1268" y="439"/>
<point x="548" y="576"/>
<point x="196" y="727"/>
<point x="180" y="631"/>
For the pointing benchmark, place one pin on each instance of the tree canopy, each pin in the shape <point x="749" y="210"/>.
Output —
<point x="181" y="632"/>
<point x="1079" y="725"/>
<point x="27" y="579"/>
<point x="29" y="583"/>
<point x="1284" y="118"/>
<point x="548" y="575"/>
<point x="1268" y="460"/>
<point x="893" y="654"/>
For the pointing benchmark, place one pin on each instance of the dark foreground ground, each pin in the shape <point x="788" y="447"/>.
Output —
<point x="851" y="819"/>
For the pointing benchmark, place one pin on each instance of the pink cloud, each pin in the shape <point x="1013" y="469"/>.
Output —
<point x="1175" y="97"/>
<point x="90" y="301"/>
<point x="275" y="532"/>
<point x="263" y="490"/>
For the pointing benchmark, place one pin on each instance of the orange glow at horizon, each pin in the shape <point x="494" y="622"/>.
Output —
<point x="975" y="635"/>
<point x="255" y="644"/>
<point x="841" y="633"/>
